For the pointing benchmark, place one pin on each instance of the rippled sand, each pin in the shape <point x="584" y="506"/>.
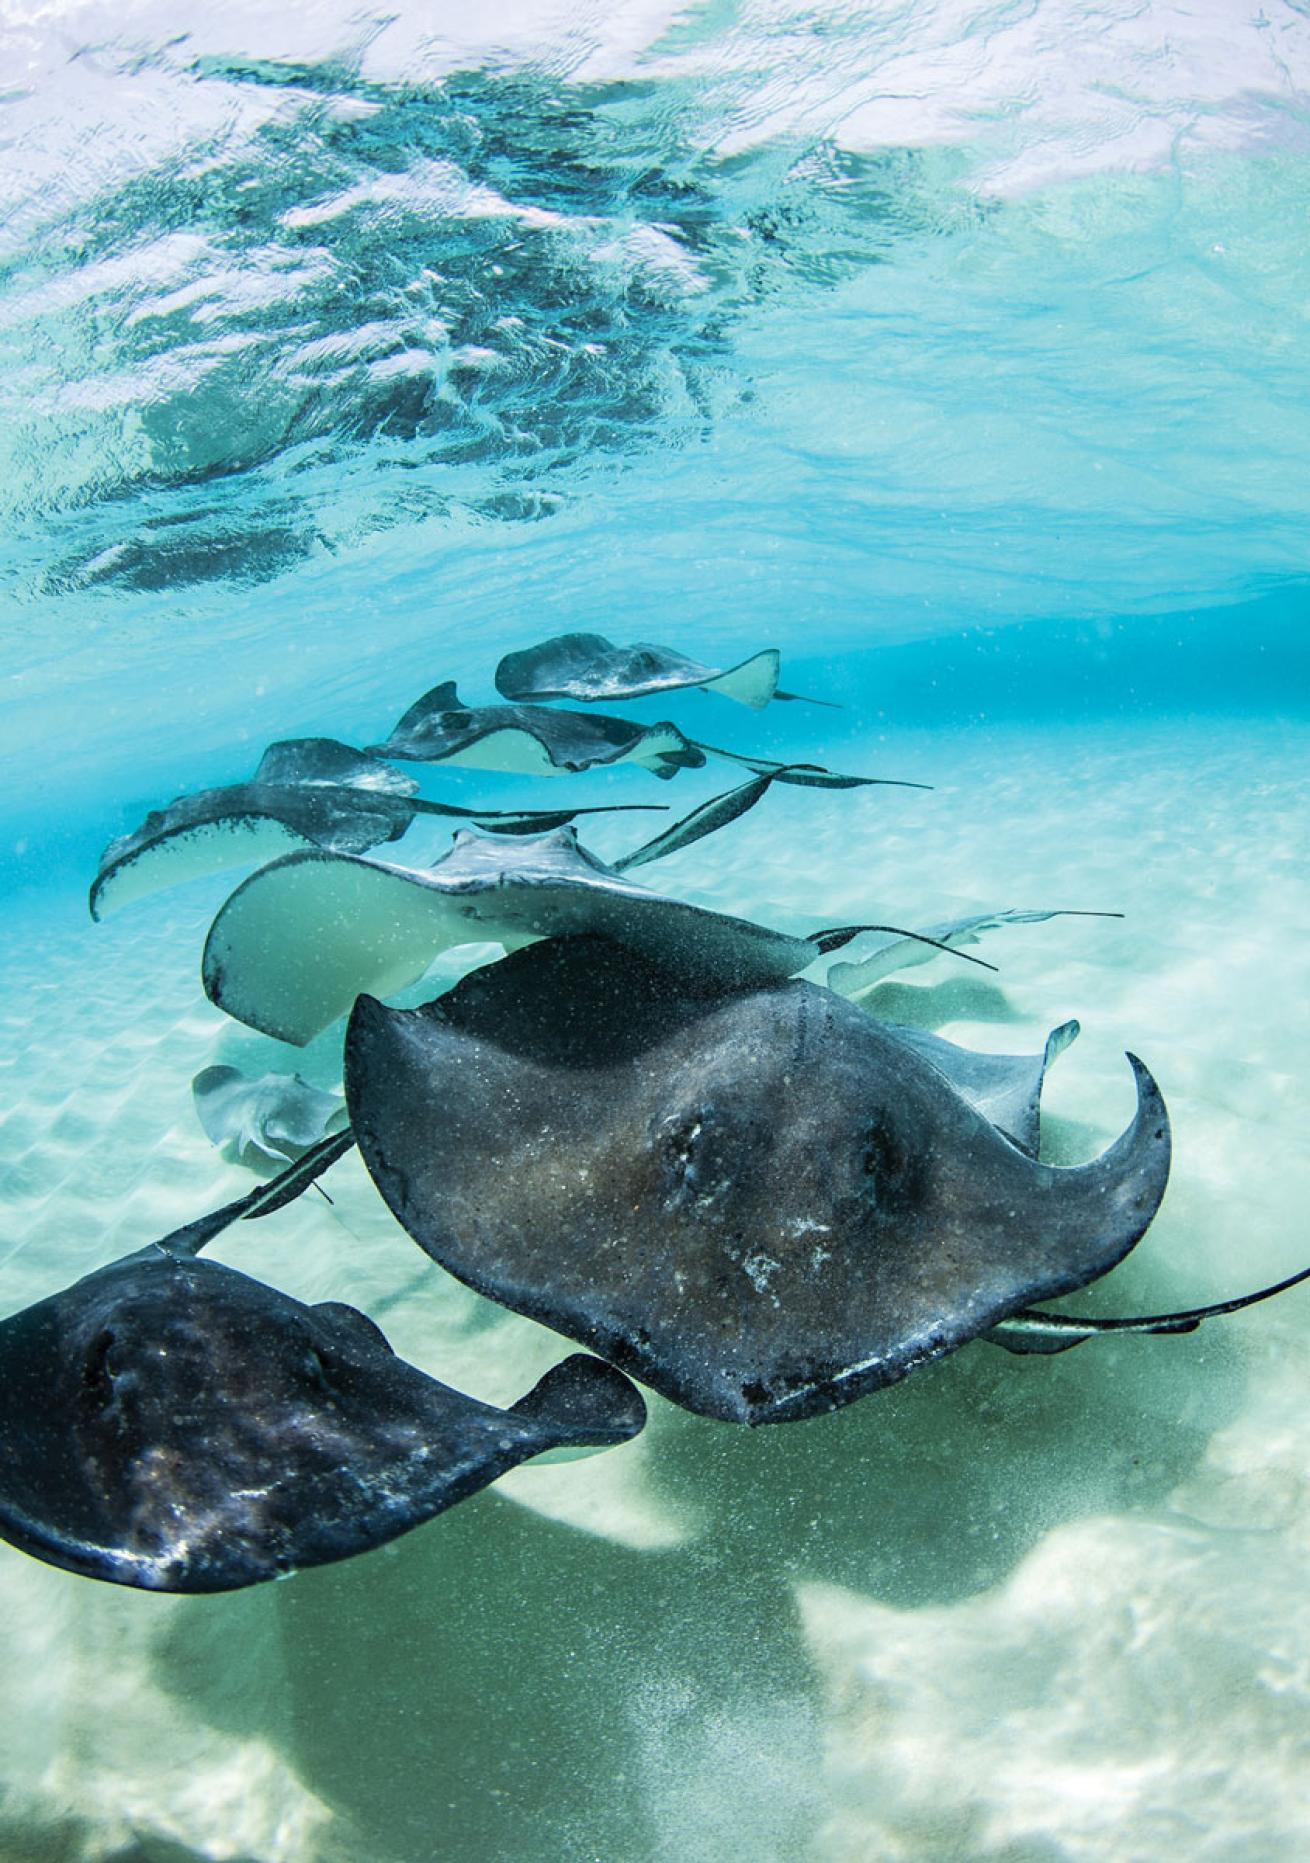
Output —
<point x="1015" y="1610"/>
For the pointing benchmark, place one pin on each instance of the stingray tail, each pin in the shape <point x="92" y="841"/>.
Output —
<point x="583" y="1403"/>
<point x="710" y="816"/>
<point x="838" y="935"/>
<point x="279" y="1190"/>
<point x="805" y="698"/>
<point x="1034" y="1331"/>
<point x="806" y="775"/>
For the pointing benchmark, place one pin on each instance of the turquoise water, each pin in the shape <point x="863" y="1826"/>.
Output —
<point x="957" y="352"/>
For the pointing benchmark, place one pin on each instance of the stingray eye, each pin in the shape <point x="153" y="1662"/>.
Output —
<point x="97" y="1371"/>
<point x="318" y="1367"/>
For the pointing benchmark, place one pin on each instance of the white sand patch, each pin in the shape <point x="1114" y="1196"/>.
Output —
<point x="1139" y="1687"/>
<point x="95" y="1742"/>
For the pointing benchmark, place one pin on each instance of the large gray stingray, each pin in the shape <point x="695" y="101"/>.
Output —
<point x="271" y="1120"/>
<point x="530" y="739"/>
<point x="306" y="792"/>
<point x="592" y="669"/>
<point x="170" y="1423"/>
<point x="298" y="941"/>
<point x="764" y="1203"/>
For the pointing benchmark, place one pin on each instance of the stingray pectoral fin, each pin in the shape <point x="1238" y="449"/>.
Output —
<point x="1059" y="1039"/>
<point x="752" y="682"/>
<point x="298" y="941"/>
<point x="1097" y="1212"/>
<point x="709" y="817"/>
<point x="176" y="855"/>
<point x="582" y="1404"/>
<point x="1034" y="1331"/>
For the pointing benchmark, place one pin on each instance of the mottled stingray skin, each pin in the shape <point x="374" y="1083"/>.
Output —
<point x="170" y="1423"/>
<point x="763" y="1204"/>
<point x="296" y="943"/>
<point x="591" y="668"/>
<point x="264" y="1119"/>
<point x="440" y="728"/>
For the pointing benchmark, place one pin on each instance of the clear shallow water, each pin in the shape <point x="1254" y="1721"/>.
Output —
<point x="958" y="354"/>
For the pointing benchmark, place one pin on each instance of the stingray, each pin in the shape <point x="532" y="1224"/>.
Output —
<point x="590" y="668"/>
<point x="535" y="740"/>
<point x="294" y="945"/>
<point x="269" y="1121"/>
<point x="762" y="1203"/>
<point x="170" y="1423"/>
<point x="894" y="952"/>
<point x="532" y="740"/>
<point x="306" y="792"/>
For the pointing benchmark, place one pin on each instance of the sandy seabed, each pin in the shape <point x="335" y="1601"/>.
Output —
<point x="1019" y="1610"/>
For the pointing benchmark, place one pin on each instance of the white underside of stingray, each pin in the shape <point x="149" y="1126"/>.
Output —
<point x="297" y="942"/>
<point x="192" y="854"/>
<point x="519" y="753"/>
<point x="752" y="683"/>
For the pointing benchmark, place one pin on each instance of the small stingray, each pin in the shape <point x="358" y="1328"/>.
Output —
<point x="272" y="1120"/>
<point x="590" y="668"/>
<point x="298" y="941"/>
<point x="894" y="952"/>
<point x="306" y="792"/>
<point x="531" y="740"/>
<point x="764" y="1204"/>
<point x="170" y="1423"/>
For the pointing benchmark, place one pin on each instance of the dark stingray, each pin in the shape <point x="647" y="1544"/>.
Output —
<point x="170" y="1423"/>
<point x="590" y="668"/>
<point x="306" y="792"/>
<point x="764" y="1203"/>
<point x="298" y="941"/>
<point x="273" y="1120"/>
<point x="530" y="739"/>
